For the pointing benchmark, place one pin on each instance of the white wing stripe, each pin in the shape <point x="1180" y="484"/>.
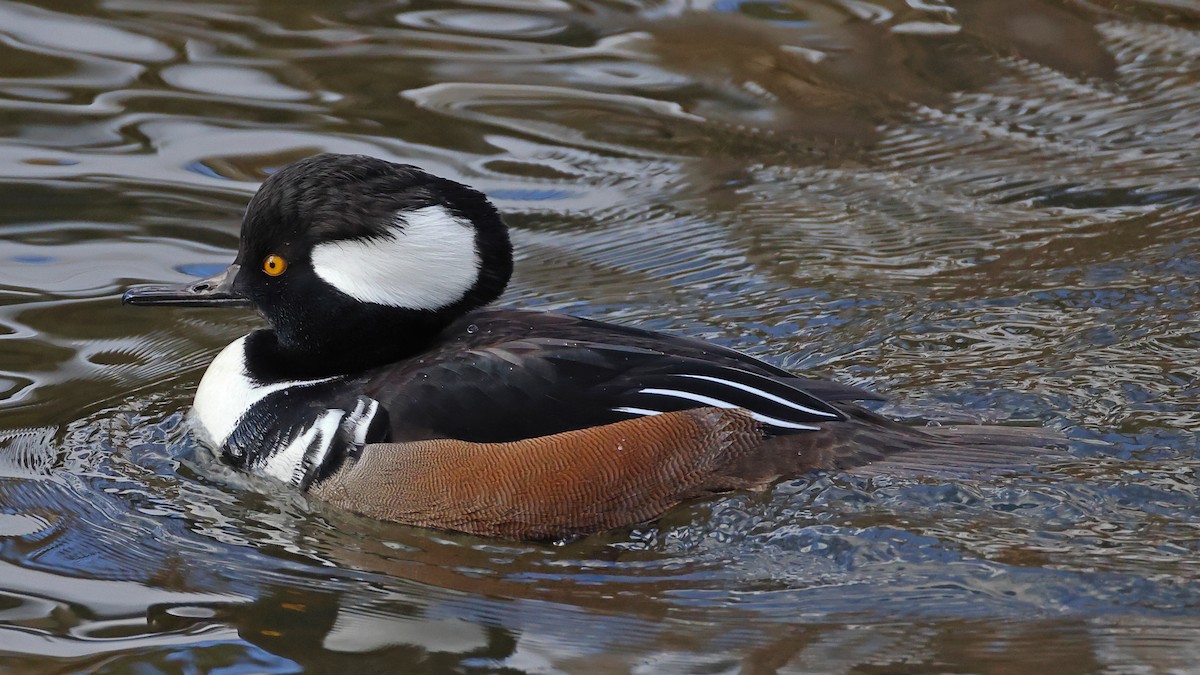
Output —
<point x="288" y="464"/>
<point x="706" y="400"/>
<point x="758" y="392"/>
<point x="360" y="420"/>
<point x="645" y="412"/>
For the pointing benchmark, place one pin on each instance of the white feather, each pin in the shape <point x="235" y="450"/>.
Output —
<point x="428" y="261"/>
<point x="360" y="420"/>
<point x="644" y="412"/>
<point x="708" y="400"/>
<point x="287" y="465"/>
<point x="226" y="392"/>
<point x="759" y="392"/>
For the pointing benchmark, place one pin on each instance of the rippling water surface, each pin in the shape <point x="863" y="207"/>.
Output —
<point x="986" y="209"/>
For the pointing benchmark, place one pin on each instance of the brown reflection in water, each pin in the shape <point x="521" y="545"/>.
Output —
<point x="1062" y="646"/>
<point x="1059" y="36"/>
<point x="1030" y="260"/>
<point x="319" y="628"/>
<point x="257" y="167"/>
<point x="831" y="85"/>
<point x="464" y="564"/>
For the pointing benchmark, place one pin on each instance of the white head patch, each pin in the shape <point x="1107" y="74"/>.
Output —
<point x="428" y="261"/>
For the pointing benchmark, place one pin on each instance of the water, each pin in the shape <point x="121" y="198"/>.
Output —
<point x="987" y="210"/>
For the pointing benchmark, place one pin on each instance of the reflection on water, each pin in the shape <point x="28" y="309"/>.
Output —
<point x="986" y="209"/>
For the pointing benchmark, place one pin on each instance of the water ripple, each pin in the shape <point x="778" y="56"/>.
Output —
<point x="987" y="210"/>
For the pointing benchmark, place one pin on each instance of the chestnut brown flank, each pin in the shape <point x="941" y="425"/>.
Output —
<point x="543" y="488"/>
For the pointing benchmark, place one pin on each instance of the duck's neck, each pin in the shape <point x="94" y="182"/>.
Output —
<point x="356" y="348"/>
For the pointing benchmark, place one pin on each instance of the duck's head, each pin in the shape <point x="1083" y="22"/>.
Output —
<point x="355" y="260"/>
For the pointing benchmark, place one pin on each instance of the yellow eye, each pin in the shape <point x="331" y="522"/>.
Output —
<point x="274" y="265"/>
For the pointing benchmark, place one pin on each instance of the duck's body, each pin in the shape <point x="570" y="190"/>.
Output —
<point x="385" y="388"/>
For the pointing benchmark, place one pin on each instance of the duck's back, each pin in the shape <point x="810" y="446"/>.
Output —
<point x="503" y="375"/>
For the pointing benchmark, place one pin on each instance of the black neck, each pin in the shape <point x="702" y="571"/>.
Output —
<point x="358" y="347"/>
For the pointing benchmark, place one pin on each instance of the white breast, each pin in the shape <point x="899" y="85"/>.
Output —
<point x="226" y="392"/>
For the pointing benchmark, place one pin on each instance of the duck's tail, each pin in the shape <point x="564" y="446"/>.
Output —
<point x="867" y="443"/>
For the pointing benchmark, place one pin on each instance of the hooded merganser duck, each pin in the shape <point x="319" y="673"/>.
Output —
<point x="385" y="387"/>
